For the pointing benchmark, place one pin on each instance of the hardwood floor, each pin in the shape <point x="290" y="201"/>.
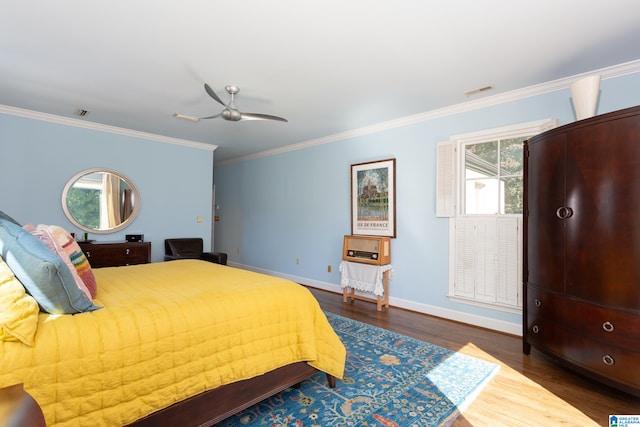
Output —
<point x="526" y="391"/>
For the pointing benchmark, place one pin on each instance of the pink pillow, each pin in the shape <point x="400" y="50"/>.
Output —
<point x="46" y="237"/>
<point x="75" y="254"/>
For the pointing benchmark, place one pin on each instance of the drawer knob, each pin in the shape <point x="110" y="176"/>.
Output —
<point x="608" y="326"/>
<point x="608" y="360"/>
<point x="538" y="303"/>
<point x="535" y="329"/>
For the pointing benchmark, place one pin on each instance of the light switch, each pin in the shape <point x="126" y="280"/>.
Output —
<point x="199" y="219"/>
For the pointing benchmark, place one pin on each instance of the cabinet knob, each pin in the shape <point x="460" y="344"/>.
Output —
<point x="608" y="326"/>
<point x="88" y="254"/>
<point x="608" y="360"/>
<point x="535" y="329"/>
<point x="538" y="303"/>
<point x="126" y="251"/>
<point x="564" y="212"/>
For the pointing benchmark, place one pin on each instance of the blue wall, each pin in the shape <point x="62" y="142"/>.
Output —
<point x="293" y="206"/>
<point x="278" y="209"/>
<point x="37" y="158"/>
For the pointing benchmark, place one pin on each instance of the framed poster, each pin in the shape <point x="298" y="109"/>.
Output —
<point x="373" y="198"/>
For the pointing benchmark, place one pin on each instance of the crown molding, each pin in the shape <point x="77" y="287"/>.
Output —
<point x="620" y="70"/>
<point x="69" y="121"/>
<point x="615" y="71"/>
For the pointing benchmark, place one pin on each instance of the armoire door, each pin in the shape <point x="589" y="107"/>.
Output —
<point x="602" y="235"/>
<point x="545" y="251"/>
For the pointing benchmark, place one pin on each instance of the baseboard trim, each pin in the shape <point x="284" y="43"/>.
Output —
<point x="431" y="310"/>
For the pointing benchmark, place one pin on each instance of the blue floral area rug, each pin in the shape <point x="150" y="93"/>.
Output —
<point x="390" y="380"/>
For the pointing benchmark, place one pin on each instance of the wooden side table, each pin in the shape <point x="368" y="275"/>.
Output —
<point x="367" y="278"/>
<point x="19" y="409"/>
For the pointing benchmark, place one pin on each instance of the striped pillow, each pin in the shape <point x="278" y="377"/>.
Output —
<point x="77" y="257"/>
<point x="45" y="237"/>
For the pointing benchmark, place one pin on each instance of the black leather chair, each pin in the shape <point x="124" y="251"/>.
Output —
<point x="191" y="248"/>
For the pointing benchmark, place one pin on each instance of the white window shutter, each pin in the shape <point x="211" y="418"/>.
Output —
<point x="510" y="261"/>
<point x="445" y="180"/>
<point x="486" y="255"/>
<point x="465" y="272"/>
<point x="488" y="259"/>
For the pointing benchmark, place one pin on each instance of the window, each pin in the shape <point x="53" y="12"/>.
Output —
<point x="493" y="177"/>
<point x="480" y="188"/>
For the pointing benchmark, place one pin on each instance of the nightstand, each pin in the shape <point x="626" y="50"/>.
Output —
<point x="18" y="408"/>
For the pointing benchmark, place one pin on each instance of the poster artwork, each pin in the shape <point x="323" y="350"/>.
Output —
<point x="373" y="199"/>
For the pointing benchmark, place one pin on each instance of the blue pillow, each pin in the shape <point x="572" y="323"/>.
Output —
<point x="8" y="218"/>
<point x="43" y="273"/>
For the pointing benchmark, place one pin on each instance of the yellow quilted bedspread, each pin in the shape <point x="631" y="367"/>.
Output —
<point x="167" y="331"/>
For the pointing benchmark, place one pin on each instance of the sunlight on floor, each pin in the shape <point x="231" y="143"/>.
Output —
<point x="512" y="399"/>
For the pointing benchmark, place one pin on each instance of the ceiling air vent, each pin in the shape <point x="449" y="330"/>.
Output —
<point x="479" y="90"/>
<point x="80" y="112"/>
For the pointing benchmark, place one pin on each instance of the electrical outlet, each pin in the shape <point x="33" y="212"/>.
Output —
<point x="198" y="219"/>
<point x="329" y="268"/>
<point x="297" y="260"/>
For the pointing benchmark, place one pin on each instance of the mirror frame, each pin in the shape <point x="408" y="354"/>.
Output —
<point x="126" y="223"/>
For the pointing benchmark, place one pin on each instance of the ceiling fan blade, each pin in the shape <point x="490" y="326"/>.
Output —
<point x="256" y="116"/>
<point x="211" y="117"/>
<point x="213" y="94"/>
<point x="186" y="117"/>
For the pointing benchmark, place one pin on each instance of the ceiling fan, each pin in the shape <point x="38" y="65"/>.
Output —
<point x="230" y="112"/>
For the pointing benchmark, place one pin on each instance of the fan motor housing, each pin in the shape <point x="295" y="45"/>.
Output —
<point x="232" y="115"/>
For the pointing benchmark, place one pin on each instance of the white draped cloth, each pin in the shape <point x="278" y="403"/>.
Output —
<point x="364" y="277"/>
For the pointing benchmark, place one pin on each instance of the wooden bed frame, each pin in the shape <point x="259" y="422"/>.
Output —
<point x="213" y="406"/>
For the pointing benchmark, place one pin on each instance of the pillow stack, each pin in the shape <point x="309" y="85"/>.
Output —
<point x="50" y="266"/>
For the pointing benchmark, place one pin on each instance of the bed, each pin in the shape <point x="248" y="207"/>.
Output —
<point x="184" y="342"/>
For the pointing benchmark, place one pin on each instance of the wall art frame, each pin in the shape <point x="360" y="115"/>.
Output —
<point x="373" y="198"/>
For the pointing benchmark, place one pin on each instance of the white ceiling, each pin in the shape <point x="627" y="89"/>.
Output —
<point x="329" y="66"/>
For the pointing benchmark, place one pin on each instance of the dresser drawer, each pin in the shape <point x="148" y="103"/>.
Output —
<point x="117" y="254"/>
<point x="610" y="361"/>
<point x="620" y="328"/>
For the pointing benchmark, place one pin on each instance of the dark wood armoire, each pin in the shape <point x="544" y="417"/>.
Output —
<point x="582" y="247"/>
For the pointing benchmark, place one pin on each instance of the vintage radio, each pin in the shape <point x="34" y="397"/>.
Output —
<point x="367" y="249"/>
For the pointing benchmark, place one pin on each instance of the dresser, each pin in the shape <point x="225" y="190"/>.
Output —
<point x="115" y="254"/>
<point x="582" y="247"/>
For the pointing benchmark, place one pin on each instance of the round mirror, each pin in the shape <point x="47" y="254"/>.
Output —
<point x="100" y="201"/>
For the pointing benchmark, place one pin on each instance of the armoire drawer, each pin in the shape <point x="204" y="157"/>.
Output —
<point x="603" y="324"/>
<point x="602" y="359"/>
